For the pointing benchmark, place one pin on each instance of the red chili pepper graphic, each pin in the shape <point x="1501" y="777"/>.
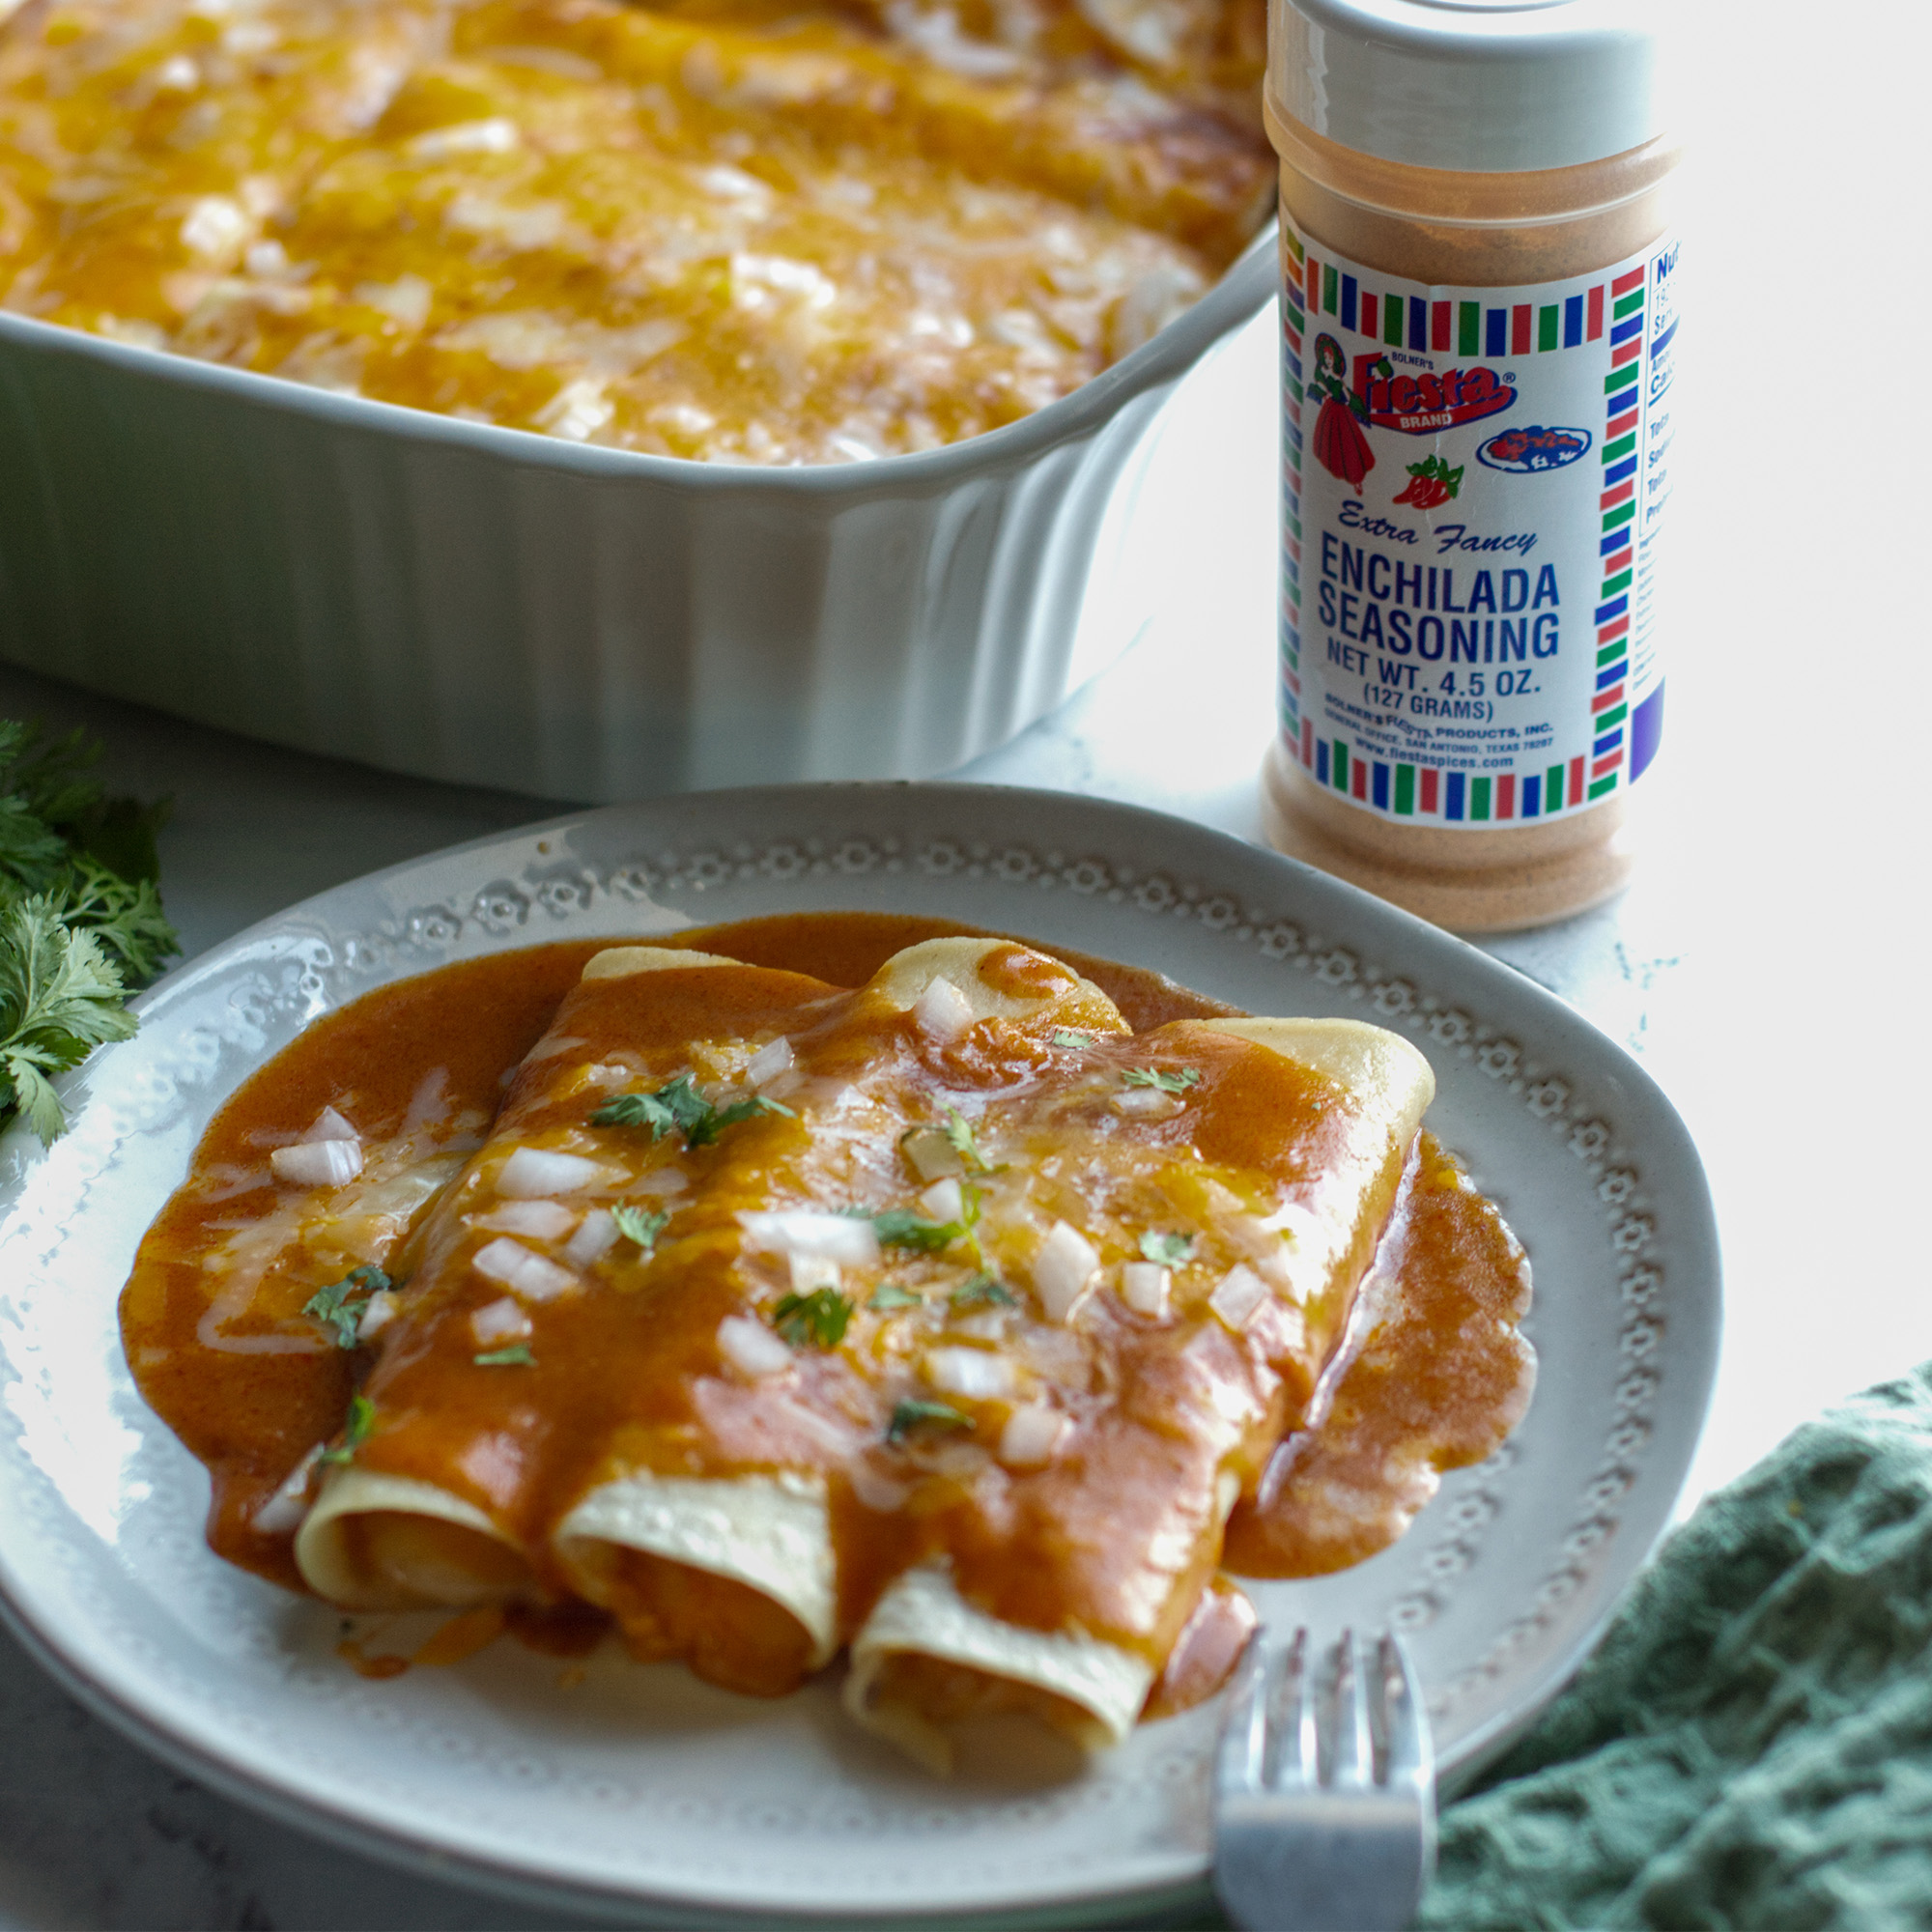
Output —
<point x="1431" y="482"/>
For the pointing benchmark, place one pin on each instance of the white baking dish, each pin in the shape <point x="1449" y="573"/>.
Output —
<point x="492" y="607"/>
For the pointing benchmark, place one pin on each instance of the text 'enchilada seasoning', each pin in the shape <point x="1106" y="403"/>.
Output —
<point x="1479" y="322"/>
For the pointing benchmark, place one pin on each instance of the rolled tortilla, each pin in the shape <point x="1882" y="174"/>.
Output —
<point x="379" y="1538"/>
<point x="389" y="1543"/>
<point x="926" y="1660"/>
<point x="762" y="1536"/>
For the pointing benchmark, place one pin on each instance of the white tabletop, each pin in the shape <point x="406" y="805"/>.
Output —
<point x="1784" y="864"/>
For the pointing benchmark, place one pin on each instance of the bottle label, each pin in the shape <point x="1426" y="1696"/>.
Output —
<point x="1474" y="482"/>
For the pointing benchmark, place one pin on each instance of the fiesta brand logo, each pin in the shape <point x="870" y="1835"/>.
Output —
<point x="1422" y="403"/>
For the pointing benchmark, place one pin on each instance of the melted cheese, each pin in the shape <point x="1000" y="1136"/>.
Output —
<point x="724" y="230"/>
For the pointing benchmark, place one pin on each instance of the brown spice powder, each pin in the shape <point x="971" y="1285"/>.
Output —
<point x="1472" y="231"/>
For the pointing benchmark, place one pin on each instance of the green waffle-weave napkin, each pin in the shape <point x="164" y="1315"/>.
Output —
<point x="1751" y="1745"/>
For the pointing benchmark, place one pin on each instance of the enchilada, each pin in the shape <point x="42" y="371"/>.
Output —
<point x="963" y="1315"/>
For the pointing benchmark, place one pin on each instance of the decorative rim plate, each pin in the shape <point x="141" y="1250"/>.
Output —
<point x="640" y="1790"/>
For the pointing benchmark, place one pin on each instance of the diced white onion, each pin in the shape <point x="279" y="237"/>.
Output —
<point x="876" y="1489"/>
<point x="289" y="1504"/>
<point x="988" y="1324"/>
<point x="1062" y="1270"/>
<point x="845" y="1238"/>
<point x="1149" y="1103"/>
<point x="663" y="1181"/>
<point x="377" y="1312"/>
<point x="534" y="1173"/>
<point x="523" y="1273"/>
<point x="540" y="1220"/>
<point x="499" y="1322"/>
<point x="975" y="1373"/>
<point x="1144" y="1286"/>
<point x="943" y="1200"/>
<point x="1237" y="1297"/>
<point x="771" y="1059"/>
<point x="593" y="1239"/>
<point x="318" y="1163"/>
<point x="942" y="1010"/>
<point x="330" y="1125"/>
<point x="813" y="1272"/>
<point x="750" y="1347"/>
<point x="1032" y="1435"/>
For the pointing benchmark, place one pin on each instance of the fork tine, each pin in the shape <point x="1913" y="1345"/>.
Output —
<point x="1411" y="1758"/>
<point x="1298" y="1744"/>
<point x="1354" y="1752"/>
<point x="1238" y="1759"/>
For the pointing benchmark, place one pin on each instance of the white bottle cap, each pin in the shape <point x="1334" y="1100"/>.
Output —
<point x="1476" y="86"/>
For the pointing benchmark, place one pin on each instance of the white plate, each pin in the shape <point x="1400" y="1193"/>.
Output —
<point x="642" y="1791"/>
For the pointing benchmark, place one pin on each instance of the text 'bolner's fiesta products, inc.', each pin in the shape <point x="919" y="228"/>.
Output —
<point x="1479" y="323"/>
<point x="1475" y="485"/>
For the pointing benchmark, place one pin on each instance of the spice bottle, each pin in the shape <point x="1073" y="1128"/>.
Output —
<point x="1478" y="323"/>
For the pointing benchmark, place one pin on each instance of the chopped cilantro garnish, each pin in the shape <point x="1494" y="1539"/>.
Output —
<point x="641" y="1225"/>
<point x="1072" y="1037"/>
<point x="911" y="1415"/>
<point x="959" y="1134"/>
<point x="983" y="1288"/>
<point x="355" y="1432"/>
<point x="1177" y="1082"/>
<point x="902" y="1228"/>
<point x="336" y="1306"/>
<point x="1170" y="1250"/>
<point x="890" y="1294"/>
<point x="816" y="1319"/>
<point x="516" y="1356"/>
<point x="677" y="1105"/>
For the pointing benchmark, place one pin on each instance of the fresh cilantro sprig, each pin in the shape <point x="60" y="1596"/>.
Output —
<point x="890" y="1294"/>
<point x="516" y="1356"/>
<point x="1072" y="1037"/>
<point x="641" y="1226"/>
<point x="60" y="998"/>
<point x="909" y="1416"/>
<point x="678" y="1107"/>
<point x="81" y="919"/>
<point x="1168" y="1250"/>
<point x="1177" y="1080"/>
<point x="339" y="1305"/>
<point x="902" y="1228"/>
<point x="356" y="1432"/>
<point x="818" y="1320"/>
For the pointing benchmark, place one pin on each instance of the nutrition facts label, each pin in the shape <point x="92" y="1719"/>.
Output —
<point x="1474" y="483"/>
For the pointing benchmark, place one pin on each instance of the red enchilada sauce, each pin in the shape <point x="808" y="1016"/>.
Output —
<point x="1433" y="1377"/>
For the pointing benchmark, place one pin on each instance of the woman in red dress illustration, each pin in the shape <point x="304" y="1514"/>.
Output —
<point x="1340" y="446"/>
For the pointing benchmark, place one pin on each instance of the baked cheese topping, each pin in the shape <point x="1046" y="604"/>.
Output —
<point x="724" y="230"/>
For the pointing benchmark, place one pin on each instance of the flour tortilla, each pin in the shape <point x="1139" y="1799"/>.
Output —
<point x="773" y="1534"/>
<point x="1100" y="1687"/>
<point x="426" y="1567"/>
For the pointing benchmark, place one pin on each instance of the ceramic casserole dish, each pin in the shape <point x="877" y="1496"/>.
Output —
<point x="487" y="605"/>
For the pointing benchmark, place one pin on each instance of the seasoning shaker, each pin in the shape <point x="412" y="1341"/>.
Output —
<point x="1479" y="319"/>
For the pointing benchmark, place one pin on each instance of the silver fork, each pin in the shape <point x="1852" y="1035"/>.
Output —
<point x="1320" y="1826"/>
